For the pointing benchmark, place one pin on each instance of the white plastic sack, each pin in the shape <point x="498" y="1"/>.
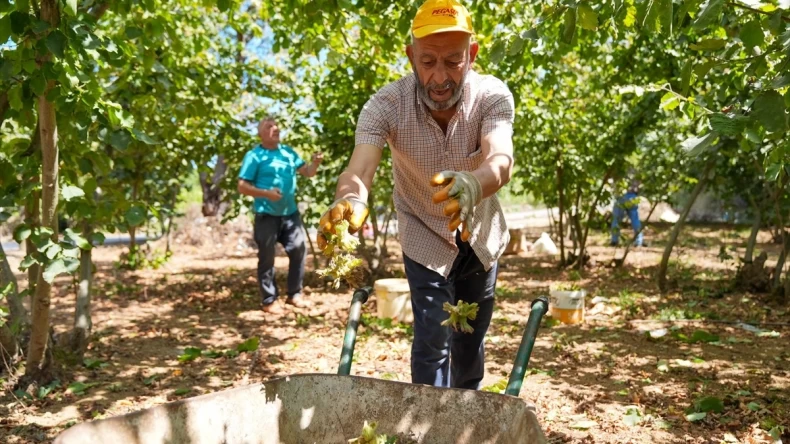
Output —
<point x="544" y="245"/>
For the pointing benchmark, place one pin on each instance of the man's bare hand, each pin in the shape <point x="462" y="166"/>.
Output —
<point x="317" y="158"/>
<point x="274" y="194"/>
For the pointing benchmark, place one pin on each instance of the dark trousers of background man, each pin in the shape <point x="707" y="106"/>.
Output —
<point x="288" y="231"/>
<point x="440" y="356"/>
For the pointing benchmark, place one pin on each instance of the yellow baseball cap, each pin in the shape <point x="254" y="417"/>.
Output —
<point x="441" y="16"/>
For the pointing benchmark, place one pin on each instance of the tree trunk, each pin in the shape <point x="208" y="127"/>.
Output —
<point x="780" y="187"/>
<point x="33" y="220"/>
<point x="9" y="346"/>
<point x="749" y="256"/>
<point x="3" y="106"/>
<point x="591" y="213"/>
<point x="316" y="263"/>
<point x="17" y="312"/>
<point x="561" y="209"/>
<point x="780" y="264"/>
<point x="37" y="365"/>
<point x="82" y="313"/>
<point x="673" y="237"/>
<point x="212" y="191"/>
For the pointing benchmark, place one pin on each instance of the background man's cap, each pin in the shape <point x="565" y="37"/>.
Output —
<point x="441" y="16"/>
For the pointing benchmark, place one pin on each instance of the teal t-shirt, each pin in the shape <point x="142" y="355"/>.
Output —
<point x="268" y="169"/>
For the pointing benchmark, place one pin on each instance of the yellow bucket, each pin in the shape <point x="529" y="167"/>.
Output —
<point x="567" y="306"/>
<point x="393" y="300"/>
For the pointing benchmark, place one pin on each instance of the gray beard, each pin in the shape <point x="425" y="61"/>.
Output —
<point x="422" y="91"/>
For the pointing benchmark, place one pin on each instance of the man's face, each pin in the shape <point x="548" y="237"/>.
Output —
<point x="440" y="62"/>
<point x="269" y="132"/>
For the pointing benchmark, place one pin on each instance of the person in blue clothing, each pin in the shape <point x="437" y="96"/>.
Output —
<point x="627" y="204"/>
<point x="268" y="173"/>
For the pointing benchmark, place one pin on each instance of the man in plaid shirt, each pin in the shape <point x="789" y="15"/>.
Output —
<point x="448" y="119"/>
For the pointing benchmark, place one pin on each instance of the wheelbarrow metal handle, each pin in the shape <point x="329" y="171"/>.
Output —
<point x="539" y="308"/>
<point x="360" y="296"/>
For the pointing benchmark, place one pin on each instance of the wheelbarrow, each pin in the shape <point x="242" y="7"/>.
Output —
<point x="332" y="409"/>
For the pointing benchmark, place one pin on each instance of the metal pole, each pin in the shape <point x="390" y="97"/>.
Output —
<point x="360" y="297"/>
<point x="539" y="308"/>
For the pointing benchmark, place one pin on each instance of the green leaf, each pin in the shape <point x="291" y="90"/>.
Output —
<point x="70" y="192"/>
<point x="47" y="389"/>
<point x="516" y="46"/>
<point x="570" y="25"/>
<point x="530" y="34"/>
<point x="96" y="238"/>
<point x="71" y="7"/>
<point x="497" y="52"/>
<point x="752" y="34"/>
<point x="182" y="391"/>
<point x="708" y="45"/>
<point x="38" y="84"/>
<point x="77" y="239"/>
<point x="685" y="77"/>
<point x="120" y="139"/>
<point x="630" y="16"/>
<point x="52" y="250"/>
<point x="703" y="336"/>
<point x="710" y="14"/>
<point x="4" y="215"/>
<point x="27" y="262"/>
<point x="584" y="425"/>
<point x="692" y="417"/>
<point x="56" y="43"/>
<point x="22" y="232"/>
<point x="92" y="363"/>
<point x="5" y="6"/>
<point x="213" y="354"/>
<point x="669" y="101"/>
<point x="588" y="19"/>
<point x="135" y="216"/>
<point x="727" y="124"/>
<point x="22" y="5"/>
<point x="249" y="345"/>
<point x="61" y="265"/>
<point x="15" y="97"/>
<point x="663" y="366"/>
<point x="694" y="146"/>
<point x="79" y="388"/>
<point x="769" y="110"/>
<point x="633" y="417"/>
<point x="142" y="137"/>
<point x="224" y="5"/>
<point x="190" y="353"/>
<point x="753" y="406"/>
<point x="5" y="28"/>
<point x="709" y="404"/>
<point x="132" y="32"/>
<point x="780" y="82"/>
<point x="772" y="172"/>
<point x="665" y="15"/>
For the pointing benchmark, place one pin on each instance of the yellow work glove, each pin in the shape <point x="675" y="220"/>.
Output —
<point x="463" y="192"/>
<point x="352" y="210"/>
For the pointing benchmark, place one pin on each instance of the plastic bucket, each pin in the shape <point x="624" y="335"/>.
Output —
<point x="567" y="306"/>
<point x="393" y="299"/>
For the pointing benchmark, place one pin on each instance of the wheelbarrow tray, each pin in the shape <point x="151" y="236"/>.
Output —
<point x="323" y="409"/>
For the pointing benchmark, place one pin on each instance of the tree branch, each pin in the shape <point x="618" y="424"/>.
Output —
<point x="749" y="8"/>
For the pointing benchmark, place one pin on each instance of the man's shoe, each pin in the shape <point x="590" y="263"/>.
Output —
<point x="298" y="301"/>
<point x="273" y="308"/>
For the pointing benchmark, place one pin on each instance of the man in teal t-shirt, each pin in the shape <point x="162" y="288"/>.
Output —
<point x="268" y="173"/>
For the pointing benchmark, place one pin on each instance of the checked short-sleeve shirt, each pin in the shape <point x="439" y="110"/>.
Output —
<point x="396" y="116"/>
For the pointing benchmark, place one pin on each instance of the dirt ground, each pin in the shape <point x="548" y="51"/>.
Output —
<point x="607" y="380"/>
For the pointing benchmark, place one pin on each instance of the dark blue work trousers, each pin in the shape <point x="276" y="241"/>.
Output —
<point x="441" y="356"/>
